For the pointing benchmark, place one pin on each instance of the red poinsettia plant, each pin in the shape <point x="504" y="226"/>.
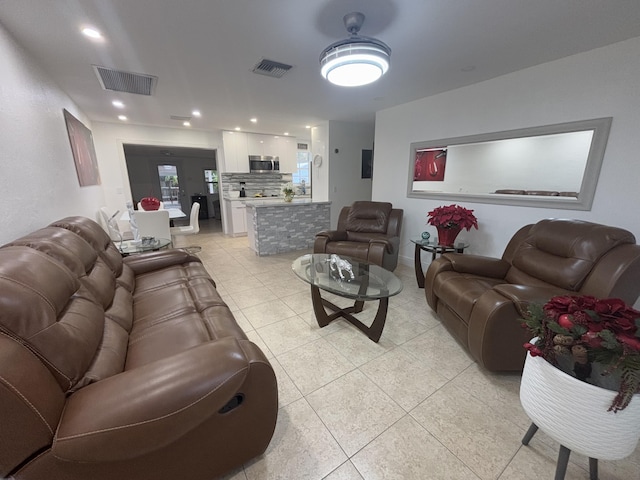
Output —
<point x="590" y="330"/>
<point x="452" y="216"/>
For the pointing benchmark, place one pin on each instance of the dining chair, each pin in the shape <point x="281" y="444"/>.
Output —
<point x="153" y="224"/>
<point x="110" y="223"/>
<point x="194" y="224"/>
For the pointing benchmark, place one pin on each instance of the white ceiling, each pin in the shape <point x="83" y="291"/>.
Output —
<point x="203" y="52"/>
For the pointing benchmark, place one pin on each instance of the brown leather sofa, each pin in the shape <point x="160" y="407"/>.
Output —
<point x="480" y="300"/>
<point x="116" y="368"/>
<point x="368" y="231"/>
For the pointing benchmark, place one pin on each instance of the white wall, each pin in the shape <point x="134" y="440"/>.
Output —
<point x="345" y="167"/>
<point x="39" y="181"/>
<point x="599" y="83"/>
<point x="109" y="138"/>
<point x="320" y="173"/>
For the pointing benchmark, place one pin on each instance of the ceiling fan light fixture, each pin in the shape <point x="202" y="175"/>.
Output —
<point x="357" y="60"/>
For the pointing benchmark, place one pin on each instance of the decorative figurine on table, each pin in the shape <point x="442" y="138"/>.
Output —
<point x="338" y="265"/>
<point x="426" y="235"/>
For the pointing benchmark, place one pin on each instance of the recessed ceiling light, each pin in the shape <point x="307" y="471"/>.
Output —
<point x="196" y="113"/>
<point x="254" y="120"/>
<point x="237" y="129"/>
<point x="276" y="136"/>
<point x="92" y="33"/>
<point x="286" y="133"/>
<point x="122" y="117"/>
<point x="186" y="124"/>
<point x="117" y="104"/>
<point x="307" y="126"/>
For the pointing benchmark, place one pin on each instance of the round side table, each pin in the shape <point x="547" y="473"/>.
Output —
<point x="435" y="249"/>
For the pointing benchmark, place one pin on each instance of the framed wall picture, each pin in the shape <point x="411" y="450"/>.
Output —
<point x="84" y="153"/>
<point x="429" y="165"/>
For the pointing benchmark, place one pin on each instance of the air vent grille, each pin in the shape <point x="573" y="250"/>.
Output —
<point x="271" y="68"/>
<point x="128" y="82"/>
<point x="179" y="118"/>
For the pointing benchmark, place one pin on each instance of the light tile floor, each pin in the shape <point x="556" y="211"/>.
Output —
<point x="413" y="406"/>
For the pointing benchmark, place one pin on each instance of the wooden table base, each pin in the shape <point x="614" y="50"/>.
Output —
<point x="373" y="332"/>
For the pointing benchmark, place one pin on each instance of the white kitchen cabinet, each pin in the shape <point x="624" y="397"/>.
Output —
<point x="236" y="153"/>
<point x="239" y="145"/>
<point x="238" y="218"/>
<point x="287" y="149"/>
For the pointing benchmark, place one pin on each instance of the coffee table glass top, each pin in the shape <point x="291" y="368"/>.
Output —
<point x="128" y="247"/>
<point x="370" y="282"/>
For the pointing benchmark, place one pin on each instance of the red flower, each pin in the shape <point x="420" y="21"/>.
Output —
<point x="633" y="342"/>
<point x="533" y="350"/>
<point x="452" y="216"/>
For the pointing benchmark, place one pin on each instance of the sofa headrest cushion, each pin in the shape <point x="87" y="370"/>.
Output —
<point x="563" y="252"/>
<point x="63" y="245"/>
<point x="46" y="307"/>
<point x="370" y="217"/>
<point x="94" y="234"/>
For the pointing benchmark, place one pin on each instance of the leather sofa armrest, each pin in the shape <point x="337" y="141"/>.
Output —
<point x="522" y="295"/>
<point x="322" y="238"/>
<point x="390" y="243"/>
<point x="148" y="408"/>
<point x="333" y="235"/>
<point x="148" y="262"/>
<point x="496" y="335"/>
<point x="478" y="265"/>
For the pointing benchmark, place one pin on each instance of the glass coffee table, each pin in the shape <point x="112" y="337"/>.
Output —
<point x="369" y="282"/>
<point x="130" y="247"/>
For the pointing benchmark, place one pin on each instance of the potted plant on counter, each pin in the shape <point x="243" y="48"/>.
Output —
<point x="288" y="192"/>
<point x="450" y="220"/>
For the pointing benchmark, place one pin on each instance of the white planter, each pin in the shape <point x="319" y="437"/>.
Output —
<point x="574" y="413"/>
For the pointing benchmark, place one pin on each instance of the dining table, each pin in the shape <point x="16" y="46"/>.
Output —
<point x="173" y="214"/>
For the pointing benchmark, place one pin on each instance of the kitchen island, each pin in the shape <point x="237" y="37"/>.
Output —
<point x="279" y="226"/>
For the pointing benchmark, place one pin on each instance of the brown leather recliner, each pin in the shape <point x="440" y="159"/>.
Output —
<point x="368" y="231"/>
<point x="481" y="300"/>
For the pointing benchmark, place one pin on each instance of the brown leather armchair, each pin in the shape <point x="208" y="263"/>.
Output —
<point x="368" y="231"/>
<point x="480" y="300"/>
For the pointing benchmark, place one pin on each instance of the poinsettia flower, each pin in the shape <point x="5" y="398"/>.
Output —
<point x="633" y="342"/>
<point x="452" y="216"/>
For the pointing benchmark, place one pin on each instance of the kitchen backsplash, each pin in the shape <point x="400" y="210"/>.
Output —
<point x="267" y="184"/>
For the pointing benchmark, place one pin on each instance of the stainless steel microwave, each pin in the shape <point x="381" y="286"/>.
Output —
<point x="263" y="164"/>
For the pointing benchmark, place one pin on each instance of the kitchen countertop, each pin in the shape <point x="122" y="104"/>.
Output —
<point x="266" y="199"/>
<point x="282" y="203"/>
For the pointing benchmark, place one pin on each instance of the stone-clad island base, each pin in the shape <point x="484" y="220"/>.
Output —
<point x="285" y="227"/>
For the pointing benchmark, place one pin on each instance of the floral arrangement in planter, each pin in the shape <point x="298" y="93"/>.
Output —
<point x="288" y="191"/>
<point x="589" y="332"/>
<point x="450" y="220"/>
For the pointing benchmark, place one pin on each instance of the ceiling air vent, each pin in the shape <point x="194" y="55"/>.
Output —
<point x="179" y="118"/>
<point x="127" y="82"/>
<point x="271" y="68"/>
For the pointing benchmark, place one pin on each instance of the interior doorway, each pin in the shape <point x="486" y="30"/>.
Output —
<point x="172" y="174"/>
